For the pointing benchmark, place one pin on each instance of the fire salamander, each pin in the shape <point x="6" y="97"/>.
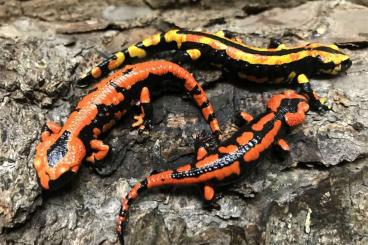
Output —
<point x="275" y="64"/>
<point x="62" y="149"/>
<point x="234" y="157"/>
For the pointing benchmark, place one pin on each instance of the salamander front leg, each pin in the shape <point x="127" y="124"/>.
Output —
<point x="50" y="127"/>
<point x="304" y="87"/>
<point x="210" y="198"/>
<point x="144" y="119"/>
<point x="283" y="145"/>
<point x="100" y="152"/>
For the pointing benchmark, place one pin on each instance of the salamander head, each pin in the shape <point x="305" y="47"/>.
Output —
<point x="58" y="157"/>
<point x="291" y="105"/>
<point x="330" y="60"/>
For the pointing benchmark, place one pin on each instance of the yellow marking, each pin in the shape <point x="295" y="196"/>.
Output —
<point x="266" y="60"/>
<point x="206" y="40"/>
<point x="303" y="79"/>
<point x="194" y="53"/>
<point x="154" y="40"/>
<point x="173" y="36"/>
<point x="220" y="34"/>
<point x="134" y="51"/>
<point x="292" y="75"/>
<point x="281" y="46"/>
<point x="113" y="64"/>
<point x="323" y="100"/>
<point x="333" y="46"/>
<point x="96" y="72"/>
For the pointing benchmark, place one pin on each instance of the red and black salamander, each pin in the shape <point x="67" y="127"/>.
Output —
<point x="63" y="148"/>
<point x="234" y="157"/>
<point x="277" y="64"/>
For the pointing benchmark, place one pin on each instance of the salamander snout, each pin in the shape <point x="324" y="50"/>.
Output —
<point x="346" y="64"/>
<point x="57" y="160"/>
<point x="330" y="60"/>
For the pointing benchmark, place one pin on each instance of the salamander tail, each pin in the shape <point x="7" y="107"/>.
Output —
<point x="126" y="201"/>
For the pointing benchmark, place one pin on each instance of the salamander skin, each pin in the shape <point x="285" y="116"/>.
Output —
<point x="261" y="65"/>
<point x="234" y="157"/>
<point x="62" y="149"/>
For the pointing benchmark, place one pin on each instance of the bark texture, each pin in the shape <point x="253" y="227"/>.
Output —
<point x="316" y="195"/>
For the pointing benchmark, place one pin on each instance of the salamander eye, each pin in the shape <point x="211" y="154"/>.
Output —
<point x="320" y="59"/>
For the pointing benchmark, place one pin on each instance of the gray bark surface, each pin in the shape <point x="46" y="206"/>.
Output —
<point x="316" y="195"/>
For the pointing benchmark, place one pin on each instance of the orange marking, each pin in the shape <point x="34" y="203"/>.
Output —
<point x="189" y="85"/>
<point x="183" y="168"/>
<point x="45" y="135"/>
<point x="96" y="132"/>
<point x="108" y="125"/>
<point x="145" y="96"/>
<point x="139" y="121"/>
<point x="270" y="136"/>
<point x="251" y="155"/>
<point x="90" y="159"/>
<point x="208" y="193"/>
<point x="293" y="119"/>
<point x="96" y="72"/>
<point x="201" y="98"/>
<point x="267" y="140"/>
<point x="201" y="153"/>
<point x="244" y="138"/>
<point x="54" y="127"/>
<point x="228" y="149"/>
<point x="283" y="144"/>
<point x="124" y="204"/>
<point x="246" y="116"/>
<point x="259" y="125"/>
<point x="214" y="125"/>
<point x="134" y="191"/>
<point x="303" y="107"/>
<point x="207" y="160"/>
<point x="275" y="102"/>
<point x="207" y="112"/>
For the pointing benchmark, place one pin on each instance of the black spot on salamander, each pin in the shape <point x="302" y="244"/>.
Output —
<point x="58" y="150"/>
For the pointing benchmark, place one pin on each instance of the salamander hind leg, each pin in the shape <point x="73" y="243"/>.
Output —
<point x="144" y="119"/>
<point x="100" y="151"/>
